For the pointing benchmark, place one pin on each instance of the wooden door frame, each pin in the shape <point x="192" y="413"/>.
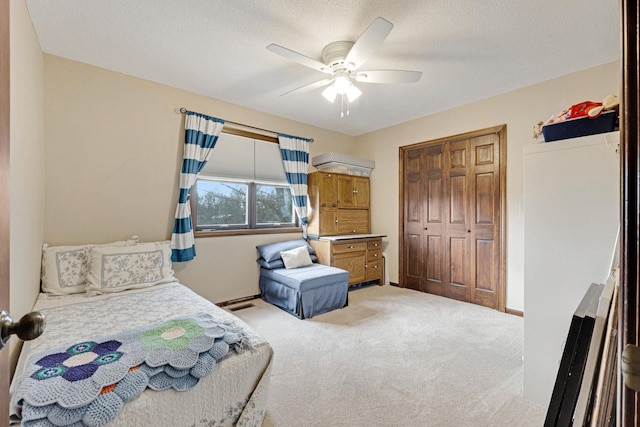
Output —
<point x="501" y="131"/>
<point x="628" y="404"/>
<point x="4" y="197"/>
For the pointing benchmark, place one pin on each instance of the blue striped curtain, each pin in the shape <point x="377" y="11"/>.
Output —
<point x="201" y="134"/>
<point x="295" y="159"/>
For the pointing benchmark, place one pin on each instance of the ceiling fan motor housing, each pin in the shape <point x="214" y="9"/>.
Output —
<point x="335" y="53"/>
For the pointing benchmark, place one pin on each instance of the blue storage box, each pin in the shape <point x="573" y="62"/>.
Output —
<point x="573" y="128"/>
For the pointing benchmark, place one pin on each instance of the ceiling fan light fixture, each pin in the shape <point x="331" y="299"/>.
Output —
<point x="330" y="93"/>
<point x="353" y="93"/>
<point x="342" y="84"/>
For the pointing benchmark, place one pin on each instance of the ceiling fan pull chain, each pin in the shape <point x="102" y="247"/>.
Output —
<point x="342" y="106"/>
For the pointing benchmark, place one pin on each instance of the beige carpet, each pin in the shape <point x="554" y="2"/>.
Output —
<point x="395" y="357"/>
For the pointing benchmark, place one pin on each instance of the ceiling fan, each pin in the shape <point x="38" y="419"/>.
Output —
<point x="342" y="61"/>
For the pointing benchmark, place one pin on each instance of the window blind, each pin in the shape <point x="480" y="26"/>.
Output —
<point x="239" y="157"/>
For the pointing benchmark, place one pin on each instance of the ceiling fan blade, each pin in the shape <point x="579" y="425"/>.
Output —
<point x="308" y="87"/>
<point x="388" y="76"/>
<point x="299" y="58"/>
<point x="368" y="42"/>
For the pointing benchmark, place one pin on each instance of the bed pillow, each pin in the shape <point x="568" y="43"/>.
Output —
<point x="64" y="269"/>
<point x="273" y="265"/>
<point x="114" y="269"/>
<point x="298" y="257"/>
<point x="271" y="251"/>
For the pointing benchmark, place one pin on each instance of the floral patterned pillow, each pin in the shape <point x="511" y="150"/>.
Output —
<point x="64" y="269"/>
<point x="115" y="269"/>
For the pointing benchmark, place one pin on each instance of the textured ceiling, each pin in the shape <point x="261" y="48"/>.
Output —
<point x="467" y="49"/>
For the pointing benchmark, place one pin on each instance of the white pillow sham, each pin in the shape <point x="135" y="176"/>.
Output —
<point x="64" y="269"/>
<point x="114" y="269"/>
<point x="294" y="258"/>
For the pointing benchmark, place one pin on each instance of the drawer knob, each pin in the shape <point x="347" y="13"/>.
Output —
<point x="351" y="247"/>
<point x="375" y="255"/>
<point x="353" y="231"/>
<point x="336" y="221"/>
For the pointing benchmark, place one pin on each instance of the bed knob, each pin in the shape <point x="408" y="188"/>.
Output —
<point x="30" y="326"/>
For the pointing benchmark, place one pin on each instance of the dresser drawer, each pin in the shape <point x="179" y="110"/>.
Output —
<point x="353" y="221"/>
<point x="375" y="244"/>
<point x="374" y="270"/>
<point x="374" y="255"/>
<point x="340" y="248"/>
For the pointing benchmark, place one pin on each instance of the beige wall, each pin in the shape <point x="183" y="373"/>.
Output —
<point x="26" y="163"/>
<point x="519" y="110"/>
<point x="114" y="145"/>
<point x="113" y="152"/>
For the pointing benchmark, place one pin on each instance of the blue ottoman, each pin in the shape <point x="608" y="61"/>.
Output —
<point x="305" y="291"/>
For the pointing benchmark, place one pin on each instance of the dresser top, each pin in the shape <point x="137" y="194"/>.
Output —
<point x="351" y="236"/>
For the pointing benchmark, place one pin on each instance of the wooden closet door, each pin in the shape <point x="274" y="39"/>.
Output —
<point x="458" y="232"/>
<point x="486" y="216"/>
<point x="424" y="207"/>
<point x="434" y="274"/>
<point x="412" y="207"/>
<point x="452" y="217"/>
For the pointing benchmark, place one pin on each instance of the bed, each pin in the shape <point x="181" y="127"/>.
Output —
<point x="234" y="393"/>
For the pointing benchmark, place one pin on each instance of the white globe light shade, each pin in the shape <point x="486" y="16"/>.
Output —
<point x="330" y="93"/>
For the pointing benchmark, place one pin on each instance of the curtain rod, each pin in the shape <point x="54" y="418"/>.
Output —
<point x="184" y="110"/>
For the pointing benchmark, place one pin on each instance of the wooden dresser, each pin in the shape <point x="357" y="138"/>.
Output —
<point x="339" y="226"/>
<point x="338" y="204"/>
<point x="360" y="255"/>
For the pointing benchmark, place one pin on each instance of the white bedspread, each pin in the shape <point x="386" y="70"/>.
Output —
<point x="234" y="394"/>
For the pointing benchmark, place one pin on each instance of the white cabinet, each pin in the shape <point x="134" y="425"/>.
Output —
<point x="571" y="218"/>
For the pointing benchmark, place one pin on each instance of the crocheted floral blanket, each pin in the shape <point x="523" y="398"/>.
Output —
<point x="87" y="383"/>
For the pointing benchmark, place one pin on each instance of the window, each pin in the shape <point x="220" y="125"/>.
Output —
<point x="242" y="187"/>
<point x="224" y="205"/>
